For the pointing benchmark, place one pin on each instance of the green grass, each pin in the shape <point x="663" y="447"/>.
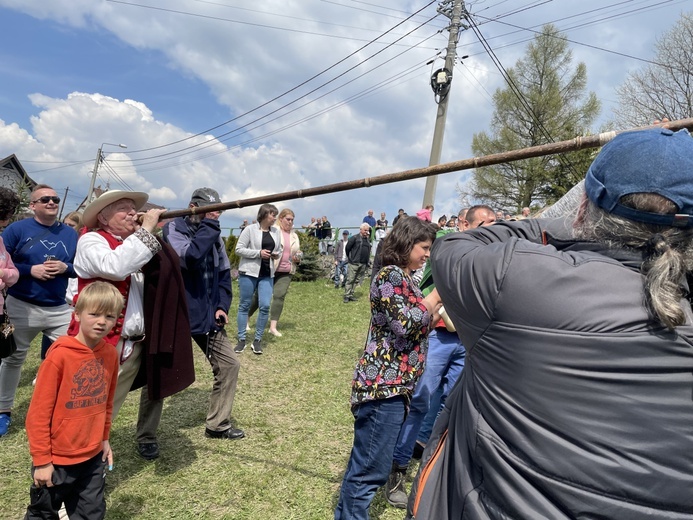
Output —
<point x="292" y="402"/>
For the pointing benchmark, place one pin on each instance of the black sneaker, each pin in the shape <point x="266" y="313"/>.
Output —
<point x="230" y="434"/>
<point x="240" y="346"/>
<point x="148" y="451"/>
<point x="257" y="347"/>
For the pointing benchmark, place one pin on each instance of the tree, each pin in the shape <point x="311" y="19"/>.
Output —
<point x="23" y="191"/>
<point x="545" y="101"/>
<point x="664" y="88"/>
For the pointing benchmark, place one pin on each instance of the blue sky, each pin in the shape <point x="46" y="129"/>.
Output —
<point x="81" y="72"/>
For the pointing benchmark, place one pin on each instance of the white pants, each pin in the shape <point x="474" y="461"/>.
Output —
<point x="29" y="320"/>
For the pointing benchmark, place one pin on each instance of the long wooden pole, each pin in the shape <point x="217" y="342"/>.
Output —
<point x="578" y="143"/>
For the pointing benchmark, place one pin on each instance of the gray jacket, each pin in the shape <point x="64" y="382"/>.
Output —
<point x="574" y="402"/>
<point x="339" y="254"/>
<point x="249" y="246"/>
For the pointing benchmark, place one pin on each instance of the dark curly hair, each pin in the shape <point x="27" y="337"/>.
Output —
<point x="398" y="244"/>
<point x="9" y="201"/>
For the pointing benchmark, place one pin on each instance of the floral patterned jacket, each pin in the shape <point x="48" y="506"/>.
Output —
<point x="395" y="352"/>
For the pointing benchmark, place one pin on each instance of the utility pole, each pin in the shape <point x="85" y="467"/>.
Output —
<point x="62" y="207"/>
<point x="99" y="158"/>
<point x="441" y="81"/>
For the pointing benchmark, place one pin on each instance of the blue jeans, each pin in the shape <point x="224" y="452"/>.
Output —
<point x="434" y="409"/>
<point x="375" y="433"/>
<point x="247" y="286"/>
<point x="444" y="364"/>
<point x="340" y="269"/>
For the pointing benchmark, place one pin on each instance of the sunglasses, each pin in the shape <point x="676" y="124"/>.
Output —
<point x="47" y="199"/>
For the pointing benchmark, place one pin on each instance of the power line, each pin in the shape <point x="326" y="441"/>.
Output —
<point x="387" y="83"/>
<point x="290" y="125"/>
<point x="230" y="133"/>
<point x="115" y="174"/>
<point x="517" y="10"/>
<point x="518" y="93"/>
<point x="324" y="71"/>
<point x="488" y="20"/>
<point x="368" y="10"/>
<point x="468" y="71"/>
<point x="596" y="47"/>
<point x="270" y="13"/>
<point x="230" y="20"/>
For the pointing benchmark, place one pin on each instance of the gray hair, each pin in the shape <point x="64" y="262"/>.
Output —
<point x="667" y="251"/>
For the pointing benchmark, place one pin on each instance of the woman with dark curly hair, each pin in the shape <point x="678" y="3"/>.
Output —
<point x="391" y="363"/>
<point x="9" y="202"/>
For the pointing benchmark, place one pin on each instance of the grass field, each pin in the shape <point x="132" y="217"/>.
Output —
<point x="292" y="403"/>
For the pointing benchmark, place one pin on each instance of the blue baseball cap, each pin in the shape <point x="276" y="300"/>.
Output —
<point x="655" y="160"/>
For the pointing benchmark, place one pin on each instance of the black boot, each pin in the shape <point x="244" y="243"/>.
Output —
<point x="395" y="492"/>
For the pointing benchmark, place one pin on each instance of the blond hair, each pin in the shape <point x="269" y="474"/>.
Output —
<point x="75" y="217"/>
<point x="283" y="213"/>
<point x="100" y="297"/>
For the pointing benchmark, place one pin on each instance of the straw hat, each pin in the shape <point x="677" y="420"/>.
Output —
<point x="111" y="196"/>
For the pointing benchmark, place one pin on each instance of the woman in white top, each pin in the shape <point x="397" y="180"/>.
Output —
<point x="257" y="247"/>
<point x="285" y="268"/>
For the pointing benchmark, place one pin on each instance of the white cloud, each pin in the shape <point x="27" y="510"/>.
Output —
<point x="245" y="65"/>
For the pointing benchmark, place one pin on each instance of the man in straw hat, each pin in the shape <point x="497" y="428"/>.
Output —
<point x="578" y="405"/>
<point x="152" y="334"/>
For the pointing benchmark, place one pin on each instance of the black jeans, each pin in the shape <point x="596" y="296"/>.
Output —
<point x="80" y="487"/>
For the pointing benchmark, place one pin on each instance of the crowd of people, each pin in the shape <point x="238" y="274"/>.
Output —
<point x="576" y="406"/>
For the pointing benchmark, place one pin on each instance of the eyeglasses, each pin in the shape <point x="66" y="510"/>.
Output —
<point x="46" y="200"/>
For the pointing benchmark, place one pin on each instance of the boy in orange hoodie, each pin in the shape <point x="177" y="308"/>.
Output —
<point x="69" y="418"/>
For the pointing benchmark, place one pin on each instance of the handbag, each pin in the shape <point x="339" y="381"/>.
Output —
<point x="8" y="346"/>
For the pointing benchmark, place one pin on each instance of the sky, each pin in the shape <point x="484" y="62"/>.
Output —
<point x="258" y="98"/>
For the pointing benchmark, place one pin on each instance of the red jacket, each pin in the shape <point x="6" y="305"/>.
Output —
<point x="70" y="412"/>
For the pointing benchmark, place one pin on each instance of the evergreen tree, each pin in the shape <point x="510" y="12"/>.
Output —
<point x="545" y="101"/>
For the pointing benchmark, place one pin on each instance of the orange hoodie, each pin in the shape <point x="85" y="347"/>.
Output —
<point x="70" y="412"/>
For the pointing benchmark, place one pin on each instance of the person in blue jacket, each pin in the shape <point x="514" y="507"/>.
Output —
<point x="207" y="277"/>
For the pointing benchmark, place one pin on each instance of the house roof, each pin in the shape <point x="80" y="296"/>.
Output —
<point x="11" y="165"/>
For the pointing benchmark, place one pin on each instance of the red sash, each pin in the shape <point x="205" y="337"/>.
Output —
<point x="123" y="287"/>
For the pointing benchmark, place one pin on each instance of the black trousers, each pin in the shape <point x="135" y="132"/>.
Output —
<point x="80" y="487"/>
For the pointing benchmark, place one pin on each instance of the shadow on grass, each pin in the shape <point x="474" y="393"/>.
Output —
<point x="177" y="450"/>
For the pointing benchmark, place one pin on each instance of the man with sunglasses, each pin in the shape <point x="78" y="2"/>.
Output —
<point x="43" y="250"/>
